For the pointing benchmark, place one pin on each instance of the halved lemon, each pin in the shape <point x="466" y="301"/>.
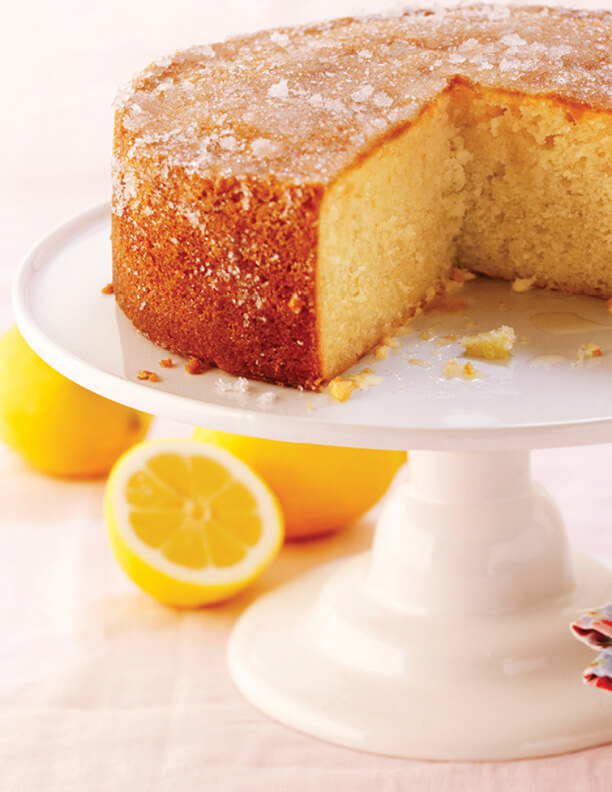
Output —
<point x="189" y="522"/>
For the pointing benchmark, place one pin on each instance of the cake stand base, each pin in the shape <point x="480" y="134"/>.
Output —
<point x="450" y="639"/>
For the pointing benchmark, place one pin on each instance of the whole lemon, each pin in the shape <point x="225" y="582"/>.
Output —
<point x="54" y="424"/>
<point x="320" y="488"/>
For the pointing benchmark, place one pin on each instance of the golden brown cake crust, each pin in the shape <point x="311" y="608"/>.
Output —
<point x="239" y="294"/>
<point x="223" y="154"/>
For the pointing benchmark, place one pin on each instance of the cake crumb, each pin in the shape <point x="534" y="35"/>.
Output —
<point x="421" y="363"/>
<point x="295" y="303"/>
<point x="457" y="279"/>
<point x="469" y="372"/>
<point x="366" y="377"/>
<point x="523" y="284"/>
<point x="426" y="335"/>
<point x="391" y="341"/>
<point x="166" y="363"/>
<point x="381" y="352"/>
<point x="492" y="345"/>
<point x="454" y="369"/>
<point x="151" y="376"/>
<point x="196" y="366"/>
<point x="588" y="351"/>
<point x="108" y="289"/>
<point x="341" y="388"/>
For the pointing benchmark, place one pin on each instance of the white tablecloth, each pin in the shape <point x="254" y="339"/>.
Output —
<point x="101" y="688"/>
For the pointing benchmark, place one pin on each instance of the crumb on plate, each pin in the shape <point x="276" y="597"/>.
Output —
<point x="151" y="376"/>
<point x="523" y="284"/>
<point x="166" y="363"/>
<point x="453" y="368"/>
<point x="492" y="345"/>
<point x="108" y="289"/>
<point x="341" y="388"/>
<point x="469" y="372"/>
<point x="196" y="366"/>
<point x="459" y="275"/>
<point x="588" y="351"/>
<point x="381" y="352"/>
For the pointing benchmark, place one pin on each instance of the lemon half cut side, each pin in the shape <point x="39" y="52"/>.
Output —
<point x="189" y="522"/>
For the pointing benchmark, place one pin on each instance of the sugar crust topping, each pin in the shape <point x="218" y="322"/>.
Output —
<point x="302" y="103"/>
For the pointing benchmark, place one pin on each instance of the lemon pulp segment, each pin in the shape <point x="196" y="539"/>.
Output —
<point x="191" y="510"/>
<point x="182" y="512"/>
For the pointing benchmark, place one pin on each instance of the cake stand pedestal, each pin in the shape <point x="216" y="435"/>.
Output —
<point x="450" y="639"/>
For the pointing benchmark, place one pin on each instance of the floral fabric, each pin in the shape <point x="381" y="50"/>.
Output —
<point x="595" y="629"/>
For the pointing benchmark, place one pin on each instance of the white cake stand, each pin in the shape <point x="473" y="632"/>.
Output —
<point x="449" y="640"/>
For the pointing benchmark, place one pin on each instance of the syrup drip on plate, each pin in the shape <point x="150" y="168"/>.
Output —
<point x="547" y="361"/>
<point x="565" y="323"/>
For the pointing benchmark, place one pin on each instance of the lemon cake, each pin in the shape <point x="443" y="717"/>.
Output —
<point x="283" y="201"/>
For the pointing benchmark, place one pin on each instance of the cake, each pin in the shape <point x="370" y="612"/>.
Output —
<point x="283" y="201"/>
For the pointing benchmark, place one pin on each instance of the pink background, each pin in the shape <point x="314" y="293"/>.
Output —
<point x="100" y="687"/>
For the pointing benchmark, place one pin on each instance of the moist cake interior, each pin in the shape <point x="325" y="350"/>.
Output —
<point x="500" y="183"/>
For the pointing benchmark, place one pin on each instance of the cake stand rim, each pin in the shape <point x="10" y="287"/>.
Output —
<point x="307" y="428"/>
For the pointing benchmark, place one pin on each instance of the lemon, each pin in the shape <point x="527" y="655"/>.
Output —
<point x="57" y="426"/>
<point x="320" y="488"/>
<point x="189" y="522"/>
